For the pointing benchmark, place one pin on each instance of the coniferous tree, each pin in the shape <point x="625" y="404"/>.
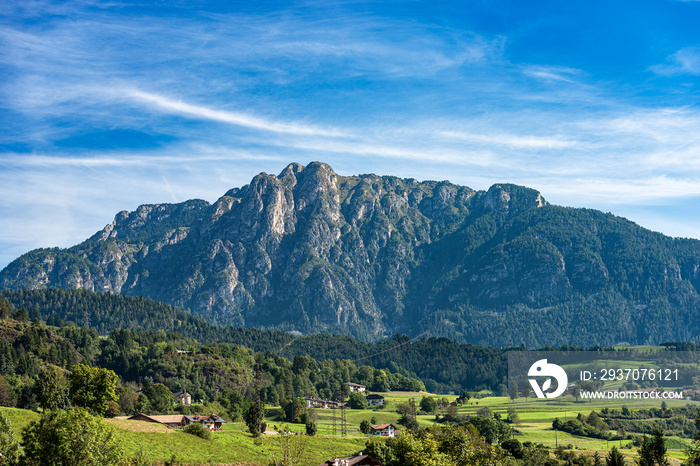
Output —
<point x="6" y="396"/>
<point x="693" y="452"/>
<point x="653" y="450"/>
<point x="597" y="460"/>
<point x="615" y="458"/>
<point x="254" y="417"/>
<point x="5" y="308"/>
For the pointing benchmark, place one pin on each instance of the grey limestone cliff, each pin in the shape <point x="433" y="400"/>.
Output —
<point x="368" y="256"/>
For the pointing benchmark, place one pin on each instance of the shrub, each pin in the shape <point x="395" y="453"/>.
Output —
<point x="311" y="428"/>
<point x="199" y="430"/>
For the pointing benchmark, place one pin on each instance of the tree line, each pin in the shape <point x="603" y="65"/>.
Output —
<point x="151" y="366"/>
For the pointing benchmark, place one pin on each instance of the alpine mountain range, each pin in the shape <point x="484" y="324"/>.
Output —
<point x="369" y="256"/>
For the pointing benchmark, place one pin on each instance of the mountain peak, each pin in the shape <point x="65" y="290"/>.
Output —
<point x="368" y="256"/>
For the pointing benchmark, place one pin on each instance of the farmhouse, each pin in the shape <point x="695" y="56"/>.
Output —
<point x="384" y="430"/>
<point x="211" y="422"/>
<point x="374" y="399"/>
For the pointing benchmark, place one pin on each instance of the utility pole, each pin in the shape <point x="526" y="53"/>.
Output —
<point x="335" y="431"/>
<point x="343" y="420"/>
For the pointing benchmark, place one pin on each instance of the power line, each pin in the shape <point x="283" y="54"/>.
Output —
<point x="392" y="348"/>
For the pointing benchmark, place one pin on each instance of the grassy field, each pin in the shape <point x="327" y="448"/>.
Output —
<point x="235" y="446"/>
<point x="230" y="446"/>
<point x="536" y="418"/>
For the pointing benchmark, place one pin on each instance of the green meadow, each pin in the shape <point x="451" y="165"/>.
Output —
<point x="233" y="445"/>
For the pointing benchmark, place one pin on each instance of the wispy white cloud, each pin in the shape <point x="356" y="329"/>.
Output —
<point x="622" y="191"/>
<point x="240" y="119"/>
<point x="186" y="154"/>
<point x="552" y="73"/>
<point x="362" y="91"/>
<point x="684" y="61"/>
<point x="511" y="140"/>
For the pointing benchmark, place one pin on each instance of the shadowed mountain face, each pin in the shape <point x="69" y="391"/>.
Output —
<point x="370" y="256"/>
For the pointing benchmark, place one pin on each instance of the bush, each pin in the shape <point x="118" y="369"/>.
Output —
<point x="365" y="427"/>
<point x="514" y="447"/>
<point x="199" y="430"/>
<point x="311" y="428"/>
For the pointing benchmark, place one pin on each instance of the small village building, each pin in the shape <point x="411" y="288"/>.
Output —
<point x="183" y="398"/>
<point x="211" y="422"/>
<point x="374" y="399"/>
<point x="355" y="387"/>
<point x="384" y="430"/>
<point x="357" y="460"/>
<point x="315" y="402"/>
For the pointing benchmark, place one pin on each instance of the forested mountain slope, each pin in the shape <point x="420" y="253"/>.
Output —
<point x="371" y="256"/>
<point x="443" y="365"/>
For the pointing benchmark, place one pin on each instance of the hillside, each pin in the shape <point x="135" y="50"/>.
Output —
<point x="369" y="256"/>
<point x="107" y="312"/>
<point x="443" y="365"/>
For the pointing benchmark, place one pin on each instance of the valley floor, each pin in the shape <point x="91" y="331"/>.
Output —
<point x="234" y="446"/>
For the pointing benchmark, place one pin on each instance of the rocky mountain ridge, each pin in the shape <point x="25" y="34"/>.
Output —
<point x="369" y="256"/>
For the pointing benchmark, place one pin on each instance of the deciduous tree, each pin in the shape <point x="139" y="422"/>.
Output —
<point x="9" y="447"/>
<point x="92" y="387"/>
<point x="72" y="437"/>
<point x="51" y="389"/>
<point x="357" y="400"/>
<point x="428" y="404"/>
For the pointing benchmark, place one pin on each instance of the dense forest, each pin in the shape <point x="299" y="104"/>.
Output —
<point x="153" y="365"/>
<point x="443" y="365"/>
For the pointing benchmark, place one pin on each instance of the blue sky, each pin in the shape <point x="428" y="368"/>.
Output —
<point x="108" y="105"/>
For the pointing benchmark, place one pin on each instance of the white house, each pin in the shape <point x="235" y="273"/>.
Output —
<point x="355" y="387"/>
<point x="384" y="430"/>
<point x="184" y="398"/>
